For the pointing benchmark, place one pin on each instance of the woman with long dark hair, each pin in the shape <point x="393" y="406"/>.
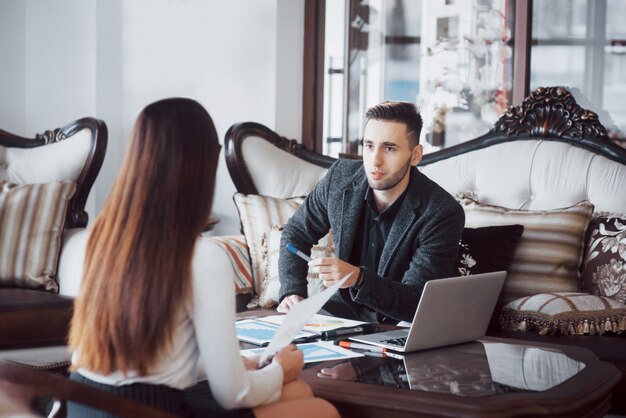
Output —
<point x="151" y="305"/>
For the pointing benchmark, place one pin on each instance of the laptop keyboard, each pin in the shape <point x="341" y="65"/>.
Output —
<point x="400" y="342"/>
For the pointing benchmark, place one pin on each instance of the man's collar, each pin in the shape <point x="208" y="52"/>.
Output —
<point x="391" y="210"/>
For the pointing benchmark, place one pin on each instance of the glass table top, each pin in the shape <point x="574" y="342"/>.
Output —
<point x="480" y="368"/>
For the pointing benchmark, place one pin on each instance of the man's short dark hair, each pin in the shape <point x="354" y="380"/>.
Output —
<point x="405" y="112"/>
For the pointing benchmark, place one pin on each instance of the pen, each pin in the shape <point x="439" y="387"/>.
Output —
<point x="307" y="339"/>
<point x="372" y="348"/>
<point x="327" y="335"/>
<point x="292" y="249"/>
<point x="369" y="353"/>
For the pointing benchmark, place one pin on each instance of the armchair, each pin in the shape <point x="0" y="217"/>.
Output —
<point x="20" y="385"/>
<point x="45" y="184"/>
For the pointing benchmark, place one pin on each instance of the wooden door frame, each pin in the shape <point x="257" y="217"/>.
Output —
<point x="313" y="69"/>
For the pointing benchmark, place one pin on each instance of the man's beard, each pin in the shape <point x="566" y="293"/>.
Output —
<point x="392" y="181"/>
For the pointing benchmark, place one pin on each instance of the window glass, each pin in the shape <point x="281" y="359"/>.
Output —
<point x="614" y="86"/>
<point x="559" y="19"/>
<point x="557" y="65"/>
<point x="581" y="44"/>
<point x="452" y="58"/>
<point x="466" y="72"/>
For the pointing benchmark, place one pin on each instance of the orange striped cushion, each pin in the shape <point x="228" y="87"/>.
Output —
<point x="237" y="250"/>
<point x="549" y="254"/>
<point x="258" y="214"/>
<point x="32" y="218"/>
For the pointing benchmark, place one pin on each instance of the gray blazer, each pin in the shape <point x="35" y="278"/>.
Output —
<point x="422" y="244"/>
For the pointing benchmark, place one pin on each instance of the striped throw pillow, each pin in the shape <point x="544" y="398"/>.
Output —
<point x="237" y="250"/>
<point x="32" y="218"/>
<point x="257" y="215"/>
<point x="268" y="297"/>
<point x="550" y="251"/>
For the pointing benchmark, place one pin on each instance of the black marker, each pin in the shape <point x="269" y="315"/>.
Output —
<point x="327" y="335"/>
<point x="308" y="339"/>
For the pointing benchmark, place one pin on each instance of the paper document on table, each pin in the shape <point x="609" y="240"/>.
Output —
<point x="296" y="318"/>
<point x="260" y="332"/>
<point x="314" y="352"/>
<point x="318" y="323"/>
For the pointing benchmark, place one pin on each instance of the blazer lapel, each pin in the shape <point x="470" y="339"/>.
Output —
<point x="407" y="215"/>
<point x="349" y="218"/>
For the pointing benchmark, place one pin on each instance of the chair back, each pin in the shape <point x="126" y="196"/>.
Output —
<point x="22" y="384"/>
<point x="73" y="152"/>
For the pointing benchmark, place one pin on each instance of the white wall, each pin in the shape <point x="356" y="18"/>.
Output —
<point x="12" y="66"/>
<point x="64" y="59"/>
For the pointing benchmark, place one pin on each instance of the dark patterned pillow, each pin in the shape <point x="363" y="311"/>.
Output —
<point x="487" y="249"/>
<point x="604" y="267"/>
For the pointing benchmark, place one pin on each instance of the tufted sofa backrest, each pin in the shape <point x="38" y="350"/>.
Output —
<point x="277" y="173"/>
<point x="56" y="161"/>
<point x="547" y="153"/>
<point x="73" y="152"/>
<point x="534" y="174"/>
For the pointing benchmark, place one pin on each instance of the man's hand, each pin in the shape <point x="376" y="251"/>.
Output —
<point x="288" y="303"/>
<point x="332" y="269"/>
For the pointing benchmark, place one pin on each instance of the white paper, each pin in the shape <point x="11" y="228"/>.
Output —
<point x="318" y="323"/>
<point x="299" y="314"/>
<point x="259" y="331"/>
<point x="314" y="352"/>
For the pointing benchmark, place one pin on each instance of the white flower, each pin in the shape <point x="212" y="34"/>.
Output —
<point x="454" y="84"/>
<point x="615" y="244"/>
<point x="505" y="35"/>
<point x="468" y="261"/>
<point x="479" y="49"/>
<point x="610" y="277"/>
<point x="501" y="52"/>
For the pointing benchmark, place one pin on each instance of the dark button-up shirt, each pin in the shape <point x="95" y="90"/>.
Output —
<point x="372" y="231"/>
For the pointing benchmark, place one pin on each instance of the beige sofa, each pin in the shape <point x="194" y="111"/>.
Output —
<point x="539" y="160"/>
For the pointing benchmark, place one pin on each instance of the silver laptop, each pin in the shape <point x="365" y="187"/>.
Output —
<point x="450" y="311"/>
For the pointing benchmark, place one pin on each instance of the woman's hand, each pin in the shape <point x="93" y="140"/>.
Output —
<point x="292" y="361"/>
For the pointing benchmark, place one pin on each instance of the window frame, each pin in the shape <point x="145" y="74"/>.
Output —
<point x="313" y="68"/>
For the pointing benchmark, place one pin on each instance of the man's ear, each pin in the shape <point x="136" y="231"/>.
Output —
<point x="417" y="155"/>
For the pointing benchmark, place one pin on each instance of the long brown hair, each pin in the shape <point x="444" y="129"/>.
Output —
<point x="138" y="261"/>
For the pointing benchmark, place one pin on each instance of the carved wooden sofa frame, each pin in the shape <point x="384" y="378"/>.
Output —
<point x="548" y="116"/>
<point x="33" y="318"/>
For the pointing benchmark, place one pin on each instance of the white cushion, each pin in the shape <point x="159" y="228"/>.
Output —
<point x="534" y="175"/>
<point x="71" y="261"/>
<point x="57" y="161"/>
<point x="277" y="173"/>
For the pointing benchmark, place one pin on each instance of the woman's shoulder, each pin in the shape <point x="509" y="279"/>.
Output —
<point x="209" y="259"/>
<point x="207" y="246"/>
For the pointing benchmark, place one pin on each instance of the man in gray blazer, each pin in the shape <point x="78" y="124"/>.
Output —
<point x="394" y="229"/>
